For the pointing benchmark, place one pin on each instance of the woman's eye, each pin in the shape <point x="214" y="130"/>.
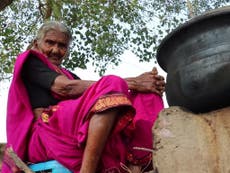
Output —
<point x="50" y="42"/>
<point x="63" y="46"/>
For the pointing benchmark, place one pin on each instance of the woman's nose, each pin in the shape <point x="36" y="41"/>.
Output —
<point x="55" y="49"/>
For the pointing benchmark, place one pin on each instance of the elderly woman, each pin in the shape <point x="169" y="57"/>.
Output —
<point x="88" y="126"/>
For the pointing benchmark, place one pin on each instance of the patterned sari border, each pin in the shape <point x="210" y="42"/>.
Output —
<point x="110" y="101"/>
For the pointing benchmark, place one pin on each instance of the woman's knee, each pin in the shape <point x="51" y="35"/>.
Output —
<point x="115" y="81"/>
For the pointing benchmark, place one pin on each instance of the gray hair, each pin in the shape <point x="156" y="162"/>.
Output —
<point x="54" y="25"/>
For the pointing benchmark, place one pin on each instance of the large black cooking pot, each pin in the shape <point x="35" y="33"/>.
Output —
<point x="196" y="57"/>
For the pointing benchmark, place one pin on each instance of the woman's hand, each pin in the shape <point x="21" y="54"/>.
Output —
<point x="148" y="82"/>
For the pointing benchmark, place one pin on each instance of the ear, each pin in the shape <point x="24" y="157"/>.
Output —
<point x="67" y="54"/>
<point x="35" y="43"/>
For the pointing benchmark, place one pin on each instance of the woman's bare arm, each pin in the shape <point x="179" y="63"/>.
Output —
<point x="146" y="82"/>
<point x="69" y="88"/>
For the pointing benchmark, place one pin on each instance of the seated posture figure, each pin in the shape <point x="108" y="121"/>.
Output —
<point x="88" y="126"/>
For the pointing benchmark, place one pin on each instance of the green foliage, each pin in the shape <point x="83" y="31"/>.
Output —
<point x="16" y="31"/>
<point x="102" y="29"/>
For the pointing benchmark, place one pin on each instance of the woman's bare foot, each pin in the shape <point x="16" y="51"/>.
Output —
<point x="135" y="169"/>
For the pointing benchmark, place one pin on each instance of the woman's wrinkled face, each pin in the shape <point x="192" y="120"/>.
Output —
<point x="54" y="45"/>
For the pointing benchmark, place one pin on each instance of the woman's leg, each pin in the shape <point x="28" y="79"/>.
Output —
<point x="99" y="129"/>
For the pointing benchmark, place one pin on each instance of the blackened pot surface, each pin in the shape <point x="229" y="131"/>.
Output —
<point x="196" y="57"/>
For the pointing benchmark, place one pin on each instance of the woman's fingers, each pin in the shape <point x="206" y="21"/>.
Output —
<point x="159" y="84"/>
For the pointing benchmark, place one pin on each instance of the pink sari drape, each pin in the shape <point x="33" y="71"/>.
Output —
<point x="64" y="135"/>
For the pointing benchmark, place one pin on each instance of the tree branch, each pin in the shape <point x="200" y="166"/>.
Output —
<point x="19" y="163"/>
<point x="4" y="3"/>
<point x="190" y="9"/>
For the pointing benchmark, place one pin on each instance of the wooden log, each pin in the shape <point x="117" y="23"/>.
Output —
<point x="18" y="162"/>
<point x="192" y="143"/>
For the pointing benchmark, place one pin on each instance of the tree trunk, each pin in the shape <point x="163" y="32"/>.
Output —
<point x="4" y="3"/>
<point x="186" y="143"/>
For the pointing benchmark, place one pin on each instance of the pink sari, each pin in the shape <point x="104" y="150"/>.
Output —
<point x="61" y="131"/>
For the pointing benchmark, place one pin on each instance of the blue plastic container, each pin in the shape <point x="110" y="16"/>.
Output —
<point x="52" y="166"/>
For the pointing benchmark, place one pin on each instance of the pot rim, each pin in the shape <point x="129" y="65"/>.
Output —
<point x="166" y="40"/>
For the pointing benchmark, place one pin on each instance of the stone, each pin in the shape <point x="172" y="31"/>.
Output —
<point x="185" y="142"/>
